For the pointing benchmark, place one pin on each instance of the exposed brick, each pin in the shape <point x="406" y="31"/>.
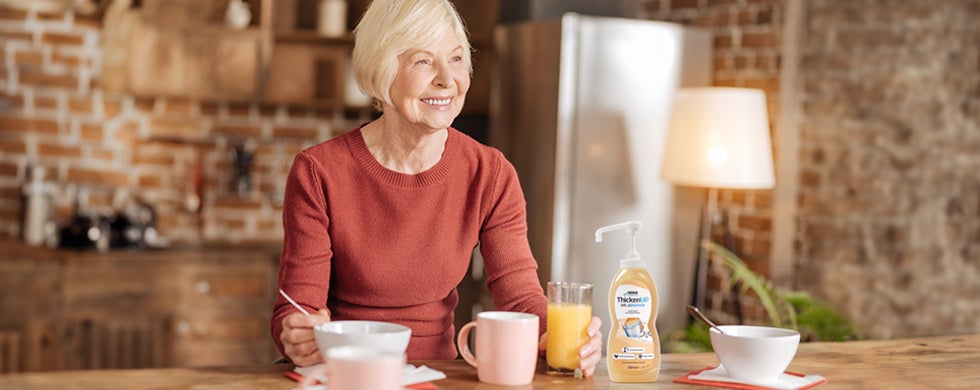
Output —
<point x="33" y="125"/>
<point x="210" y="109"/>
<point x="81" y="105"/>
<point x="90" y="21"/>
<point x="14" y="36"/>
<point x="13" y="147"/>
<point x="754" y="222"/>
<point x="230" y="223"/>
<point x="239" y="109"/>
<point x="111" y="107"/>
<point x="144" y="105"/>
<point x="231" y="203"/>
<point x="177" y="129"/>
<point x="55" y="38"/>
<point x="45" y="102"/>
<point x="179" y="107"/>
<point x="296" y="132"/>
<point x="267" y="110"/>
<point x="740" y="62"/>
<point x="723" y="40"/>
<point x="10" y="102"/>
<point x="868" y="38"/>
<point x="149" y="182"/>
<point x="69" y="60"/>
<point x="91" y="132"/>
<point x="758" y="39"/>
<point x="145" y="157"/>
<point x="28" y="59"/>
<point x="102" y="154"/>
<point x="745" y="17"/>
<point x="8" y="169"/>
<point x="126" y="133"/>
<point x="267" y="224"/>
<point x="43" y="79"/>
<point x="11" y="14"/>
<point x="770" y="85"/>
<point x="683" y="4"/>
<point x="238" y="130"/>
<point x="45" y="149"/>
<point x="93" y="176"/>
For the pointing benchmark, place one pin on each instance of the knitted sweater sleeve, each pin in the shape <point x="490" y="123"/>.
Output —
<point x="304" y="266"/>
<point x="511" y="268"/>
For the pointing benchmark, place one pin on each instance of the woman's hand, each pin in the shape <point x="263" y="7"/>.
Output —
<point x="297" y="338"/>
<point x="589" y="353"/>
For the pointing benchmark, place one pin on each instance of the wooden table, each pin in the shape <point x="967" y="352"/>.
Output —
<point x="926" y="363"/>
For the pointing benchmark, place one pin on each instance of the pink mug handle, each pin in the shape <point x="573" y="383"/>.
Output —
<point x="463" y="343"/>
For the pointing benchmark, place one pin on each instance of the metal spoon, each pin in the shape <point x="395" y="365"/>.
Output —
<point x="699" y="315"/>
<point x="284" y="295"/>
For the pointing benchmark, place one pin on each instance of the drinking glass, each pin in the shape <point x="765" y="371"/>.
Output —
<point x="569" y="314"/>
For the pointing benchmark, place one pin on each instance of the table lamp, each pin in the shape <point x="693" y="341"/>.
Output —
<point x="718" y="138"/>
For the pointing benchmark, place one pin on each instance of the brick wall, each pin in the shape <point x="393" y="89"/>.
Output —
<point x="889" y="186"/>
<point x="746" y="54"/>
<point x="54" y="114"/>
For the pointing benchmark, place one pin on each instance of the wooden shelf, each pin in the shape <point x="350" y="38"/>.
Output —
<point x="312" y="37"/>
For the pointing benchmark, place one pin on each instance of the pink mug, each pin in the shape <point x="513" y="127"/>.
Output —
<point x="506" y="347"/>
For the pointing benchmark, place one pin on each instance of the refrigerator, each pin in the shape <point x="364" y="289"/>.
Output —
<point x="581" y="107"/>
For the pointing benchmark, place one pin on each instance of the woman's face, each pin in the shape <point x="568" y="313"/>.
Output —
<point x="431" y="83"/>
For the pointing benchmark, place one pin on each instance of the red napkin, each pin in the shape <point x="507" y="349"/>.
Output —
<point x="732" y="385"/>
<point x="418" y="386"/>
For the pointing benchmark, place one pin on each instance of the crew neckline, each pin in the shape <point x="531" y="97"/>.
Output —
<point x="425" y="178"/>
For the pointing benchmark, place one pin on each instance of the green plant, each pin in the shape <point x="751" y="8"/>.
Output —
<point x="815" y="320"/>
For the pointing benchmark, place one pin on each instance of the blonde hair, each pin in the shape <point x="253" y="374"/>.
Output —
<point x="390" y="27"/>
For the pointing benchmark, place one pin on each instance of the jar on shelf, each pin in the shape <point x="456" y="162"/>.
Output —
<point x="332" y="18"/>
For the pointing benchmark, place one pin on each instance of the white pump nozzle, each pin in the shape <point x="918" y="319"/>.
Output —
<point x="632" y="258"/>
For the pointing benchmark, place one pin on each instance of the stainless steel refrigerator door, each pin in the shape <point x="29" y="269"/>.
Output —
<point x="618" y="79"/>
<point x="581" y="108"/>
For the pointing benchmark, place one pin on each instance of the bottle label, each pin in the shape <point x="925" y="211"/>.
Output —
<point x="635" y="350"/>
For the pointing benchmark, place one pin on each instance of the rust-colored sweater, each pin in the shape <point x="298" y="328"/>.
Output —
<point x="375" y="244"/>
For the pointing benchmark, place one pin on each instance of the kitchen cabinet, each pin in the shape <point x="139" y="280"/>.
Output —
<point x="305" y="67"/>
<point x="180" y="307"/>
<point x="184" y="50"/>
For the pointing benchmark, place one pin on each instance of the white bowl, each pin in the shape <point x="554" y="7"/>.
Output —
<point x="755" y="353"/>
<point x="384" y="336"/>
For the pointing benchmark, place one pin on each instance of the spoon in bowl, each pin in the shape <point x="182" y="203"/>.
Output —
<point x="700" y="316"/>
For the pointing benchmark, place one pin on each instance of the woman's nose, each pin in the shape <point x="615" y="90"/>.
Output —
<point x="443" y="76"/>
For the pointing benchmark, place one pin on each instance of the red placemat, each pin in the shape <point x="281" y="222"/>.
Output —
<point x="732" y="385"/>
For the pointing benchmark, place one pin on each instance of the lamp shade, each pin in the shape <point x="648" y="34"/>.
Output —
<point x="719" y="137"/>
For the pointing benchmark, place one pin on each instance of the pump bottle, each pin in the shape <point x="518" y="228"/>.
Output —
<point x="633" y="350"/>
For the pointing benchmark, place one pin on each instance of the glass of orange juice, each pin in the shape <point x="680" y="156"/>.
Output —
<point x="569" y="314"/>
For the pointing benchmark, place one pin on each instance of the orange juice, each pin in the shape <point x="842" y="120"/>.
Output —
<point x="568" y="324"/>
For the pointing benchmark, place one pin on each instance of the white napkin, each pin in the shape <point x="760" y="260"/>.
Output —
<point x="410" y="375"/>
<point x="784" y="382"/>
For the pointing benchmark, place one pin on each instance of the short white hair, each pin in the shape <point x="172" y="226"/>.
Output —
<point x="388" y="28"/>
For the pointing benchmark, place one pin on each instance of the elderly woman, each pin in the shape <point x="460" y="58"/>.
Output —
<point x="380" y="222"/>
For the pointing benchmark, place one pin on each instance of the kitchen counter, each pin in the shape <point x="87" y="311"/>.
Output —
<point x="916" y="363"/>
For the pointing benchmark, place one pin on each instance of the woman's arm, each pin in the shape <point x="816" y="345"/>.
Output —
<point x="304" y="266"/>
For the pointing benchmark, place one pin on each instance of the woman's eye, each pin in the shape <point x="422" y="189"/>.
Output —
<point x="456" y="59"/>
<point x="422" y="62"/>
